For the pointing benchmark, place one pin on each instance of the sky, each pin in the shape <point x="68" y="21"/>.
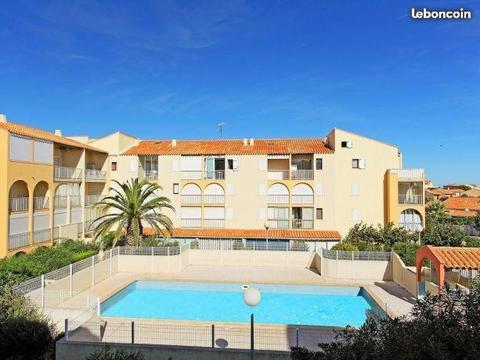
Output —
<point x="267" y="69"/>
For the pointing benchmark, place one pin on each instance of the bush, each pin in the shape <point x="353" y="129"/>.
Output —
<point x="299" y="245"/>
<point x="194" y="244"/>
<point x="107" y="354"/>
<point x="472" y="241"/>
<point x="406" y="251"/>
<point x="345" y="246"/>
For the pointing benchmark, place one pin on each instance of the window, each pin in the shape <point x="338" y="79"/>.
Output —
<point x="346" y="144"/>
<point x="319" y="164"/>
<point x="175" y="188"/>
<point x="355" y="163"/>
<point x="232" y="164"/>
<point x="319" y="213"/>
<point x="114" y="166"/>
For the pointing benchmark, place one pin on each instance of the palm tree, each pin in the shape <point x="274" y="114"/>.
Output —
<point x="130" y="204"/>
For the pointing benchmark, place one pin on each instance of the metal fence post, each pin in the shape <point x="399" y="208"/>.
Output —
<point x="296" y="337"/>
<point x="42" y="278"/>
<point x="213" y="336"/>
<point x="93" y="270"/>
<point x="71" y="280"/>
<point x="133" y="332"/>
<point x="66" y="329"/>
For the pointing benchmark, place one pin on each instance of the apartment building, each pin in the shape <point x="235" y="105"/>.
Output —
<point x="283" y="190"/>
<point x="48" y="186"/>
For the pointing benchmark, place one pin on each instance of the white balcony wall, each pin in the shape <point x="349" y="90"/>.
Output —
<point x="41" y="221"/>
<point x="191" y="212"/>
<point x="60" y="218"/>
<point x="214" y="213"/>
<point x="76" y="216"/>
<point x="18" y="224"/>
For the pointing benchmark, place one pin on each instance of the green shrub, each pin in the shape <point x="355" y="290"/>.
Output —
<point x="238" y="244"/>
<point x="345" y="246"/>
<point x="107" y="354"/>
<point x="194" y="244"/>
<point x="406" y="251"/>
<point x="299" y="245"/>
<point x="472" y="241"/>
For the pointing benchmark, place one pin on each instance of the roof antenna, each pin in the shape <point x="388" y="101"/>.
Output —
<point x="220" y="128"/>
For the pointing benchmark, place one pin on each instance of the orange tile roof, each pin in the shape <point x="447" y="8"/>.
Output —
<point x="24" y="130"/>
<point x="462" y="213"/>
<point x="233" y="147"/>
<point x="445" y="191"/>
<point x="457" y="257"/>
<point x="462" y="203"/>
<point x="252" y="234"/>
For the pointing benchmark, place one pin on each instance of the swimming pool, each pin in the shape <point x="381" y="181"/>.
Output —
<point x="280" y="304"/>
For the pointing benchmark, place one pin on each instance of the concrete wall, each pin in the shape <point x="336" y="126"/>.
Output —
<point x="404" y="276"/>
<point x="357" y="269"/>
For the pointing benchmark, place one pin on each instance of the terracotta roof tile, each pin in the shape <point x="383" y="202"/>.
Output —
<point x="233" y="147"/>
<point x="462" y="203"/>
<point x="23" y="130"/>
<point x="445" y="191"/>
<point x="253" y="234"/>
<point x="458" y="258"/>
<point x="462" y="213"/>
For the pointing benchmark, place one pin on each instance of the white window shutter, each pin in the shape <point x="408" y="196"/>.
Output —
<point x="175" y="165"/>
<point x="319" y="189"/>
<point x="355" y="189"/>
<point x="230" y="189"/>
<point x="362" y="164"/>
<point x="229" y="213"/>
<point x="261" y="214"/>
<point x="262" y="164"/>
<point x="133" y="165"/>
<point x="235" y="165"/>
<point x="261" y="189"/>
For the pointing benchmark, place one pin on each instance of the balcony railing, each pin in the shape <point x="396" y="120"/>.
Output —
<point x="214" y="223"/>
<point x="410" y="199"/>
<point x="278" y="223"/>
<point x="215" y="174"/>
<point x="40" y="236"/>
<point x="191" y="199"/>
<point x="408" y="174"/>
<point x="191" y="223"/>
<point x="302" y="199"/>
<point x="18" y="204"/>
<point x="40" y="203"/>
<point x="278" y="174"/>
<point x="60" y="201"/>
<point x="67" y="173"/>
<point x="16" y="241"/>
<point x="92" y="199"/>
<point x="151" y="174"/>
<point x="302" y="224"/>
<point x="94" y="174"/>
<point x="191" y="174"/>
<point x="214" y="199"/>
<point x="278" y="199"/>
<point x="302" y="175"/>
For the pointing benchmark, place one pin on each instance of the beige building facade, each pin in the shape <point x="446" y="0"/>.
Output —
<point x="312" y="190"/>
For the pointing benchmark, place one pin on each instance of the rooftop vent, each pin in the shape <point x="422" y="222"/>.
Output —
<point x="58" y="132"/>
<point x="245" y="142"/>
<point x="3" y="118"/>
<point x="174" y="142"/>
<point x="251" y="142"/>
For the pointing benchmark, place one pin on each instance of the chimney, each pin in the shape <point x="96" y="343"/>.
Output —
<point x="245" y="142"/>
<point x="174" y="142"/>
<point x="58" y="132"/>
<point x="3" y="118"/>
<point x="251" y="142"/>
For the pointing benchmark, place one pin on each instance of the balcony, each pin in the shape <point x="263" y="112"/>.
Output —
<point x="278" y="174"/>
<point x="302" y="199"/>
<point x="191" y="175"/>
<point x="278" y="223"/>
<point x="63" y="173"/>
<point x="92" y="199"/>
<point x="406" y="199"/>
<point x="302" y="224"/>
<point x="94" y="174"/>
<point x="191" y="223"/>
<point x="191" y="199"/>
<point x="16" y="241"/>
<point x="302" y="175"/>
<point x="40" y="203"/>
<point x="214" y="223"/>
<point x="278" y="199"/>
<point x="40" y="236"/>
<point x="214" y="199"/>
<point x="215" y="175"/>
<point x="408" y="174"/>
<point x="18" y="204"/>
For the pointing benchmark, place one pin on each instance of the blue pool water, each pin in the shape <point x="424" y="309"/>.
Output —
<point x="280" y="304"/>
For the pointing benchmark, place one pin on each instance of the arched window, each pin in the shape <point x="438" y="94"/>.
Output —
<point x="40" y="196"/>
<point x="278" y="194"/>
<point x="214" y="194"/>
<point x="411" y="220"/>
<point x="18" y="196"/>
<point x="302" y="194"/>
<point x="191" y="194"/>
